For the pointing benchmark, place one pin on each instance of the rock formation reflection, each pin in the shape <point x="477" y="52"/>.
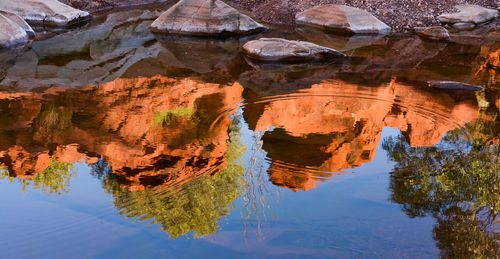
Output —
<point x="159" y="131"/>
<point x="336" y="125"/>
<point x="167" y="150"/>
<point x="115" y="121"/>
<point x="144" y="137"/>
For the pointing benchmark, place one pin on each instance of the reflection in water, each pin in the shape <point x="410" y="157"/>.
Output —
<point x="118" y="121"/>
<point x="487" y="65"/>
<point x="337" y="125"/>
<point x="155" y="135"/>
<point x="55" y="178"/>
<point x="458" y="183"/>
<point x="158" y="120"/>
<point x="195" y="207"/>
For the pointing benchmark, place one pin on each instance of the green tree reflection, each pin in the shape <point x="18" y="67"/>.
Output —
<point x="196" y="207"/>
<point x="457" y="182"/>
<point x="55" y="179"/>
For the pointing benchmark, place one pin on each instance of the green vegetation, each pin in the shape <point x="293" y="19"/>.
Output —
<point x="195" y="207"/>
<point x="54" y="179"/>
<point x="457" y="182"/>
<point x="163" y="118"/>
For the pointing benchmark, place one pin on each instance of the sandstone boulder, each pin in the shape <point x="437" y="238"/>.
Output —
<point x="276" y="49"/>
<point x="469" y="14"/>
<point x="19" y="21"/>
<point x="51" y="13"/>
<point x="452" y="85"/>
<point x="342" y="18"/>
<point x="11" y="33"/>
<point x="204" y="18"/>
<point x="434" y="33"/>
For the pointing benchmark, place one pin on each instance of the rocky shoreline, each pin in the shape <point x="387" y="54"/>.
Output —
<point x="217" y="19"/>
<point x="401" y="16"/>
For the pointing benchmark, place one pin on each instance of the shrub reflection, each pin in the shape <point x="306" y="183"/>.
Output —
<point x="195" y="207"/>
<point x="458" y="183"/>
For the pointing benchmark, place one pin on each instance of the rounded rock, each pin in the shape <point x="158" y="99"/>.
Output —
<point x="277" y="49"/>
<point x="11" y="33"/>
<point x="204" y="18"/>
<point x="342" y="18"/>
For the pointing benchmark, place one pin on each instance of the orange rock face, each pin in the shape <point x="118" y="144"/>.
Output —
<point x="336" y="126"/>
<point x="487" y="64"/>
<point x="115" y="121"/>
<point x="318" y="132"/>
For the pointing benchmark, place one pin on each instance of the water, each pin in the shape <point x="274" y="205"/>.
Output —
<point x="117" y="143"/>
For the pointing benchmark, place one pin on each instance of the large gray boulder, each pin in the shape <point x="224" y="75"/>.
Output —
<point x="11" y="33"/>
<point x="469" y="14"/>
<point x="50" y="13"/>
<point x="342" y="18"/>
<point x="277" y="49"/>
<point x="204" y="18"/>
<point x="19" y="21"/>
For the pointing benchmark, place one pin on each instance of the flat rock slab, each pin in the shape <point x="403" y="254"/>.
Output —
<point x="50" y="13"/>
<point x="469" y="14"/>
<point x="11" y="33"/>
<point x="204" y="18"/>
<point x="19" y="21"/>
<point x="434" y="33"/>
<point x="277" y="49"/>
<point x="452" y="85"/>
<point x="342" y="18"/>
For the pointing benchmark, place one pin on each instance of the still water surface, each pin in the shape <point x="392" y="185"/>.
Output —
<point x="115" y="142"/>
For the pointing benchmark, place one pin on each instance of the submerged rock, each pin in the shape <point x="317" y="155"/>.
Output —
<point x="469" y="14"/>
<point x="51" y="13"/>
<point x="342" y="18"/>
<point x="19" y="21"/>
<point x="276" y="49"/>
<point x="204" y="17"/>
<point x="452" y="85"/>
<point x="11" y="33"/>
<point x="434" y="33"/>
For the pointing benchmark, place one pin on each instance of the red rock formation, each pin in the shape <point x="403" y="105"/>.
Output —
<point x="486" y="65"/>
<point x="22" y="163"/>
<point x="331" y="127"/>
<point x="355" y="116"/>
<point x="114" y="121"/>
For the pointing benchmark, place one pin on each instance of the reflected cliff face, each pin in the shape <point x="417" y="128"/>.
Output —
<point x="144" y="137"/>
<point x="160" y="131"/>
<point x="152" y="131"/>
<point x="336" y="125"/>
